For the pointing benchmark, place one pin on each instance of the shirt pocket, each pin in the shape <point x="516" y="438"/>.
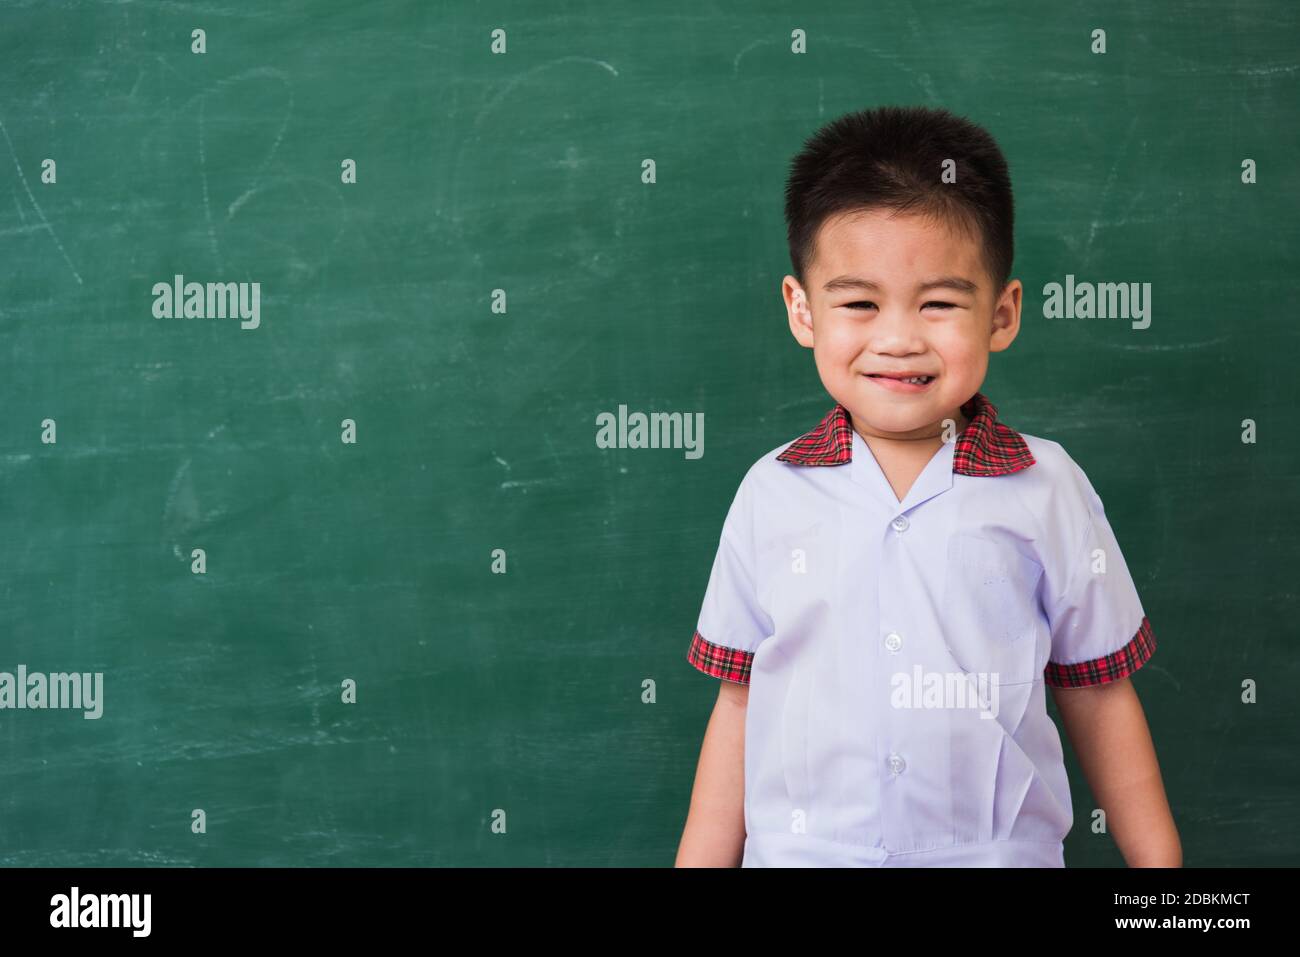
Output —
<point x="991" y="618"/>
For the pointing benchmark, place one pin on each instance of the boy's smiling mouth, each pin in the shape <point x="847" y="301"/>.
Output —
<point x="907" y="381"/>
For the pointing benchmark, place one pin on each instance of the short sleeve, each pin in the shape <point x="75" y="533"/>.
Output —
<point x="1100" y="632"/>
<point x="731" y="622"/>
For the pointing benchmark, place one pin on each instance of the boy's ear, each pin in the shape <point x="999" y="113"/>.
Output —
<point x="798" y="312"/>
<point x="1006" y="317"/>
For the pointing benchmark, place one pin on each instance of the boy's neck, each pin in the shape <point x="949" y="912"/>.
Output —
<point x="926" y="443"/>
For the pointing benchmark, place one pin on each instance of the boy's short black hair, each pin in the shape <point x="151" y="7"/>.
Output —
<point x="891" y="157"/>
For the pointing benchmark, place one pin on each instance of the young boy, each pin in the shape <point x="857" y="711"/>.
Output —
<point x="895" y="590"/>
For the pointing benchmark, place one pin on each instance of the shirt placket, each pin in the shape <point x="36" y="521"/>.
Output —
<point x="912" y="760"/>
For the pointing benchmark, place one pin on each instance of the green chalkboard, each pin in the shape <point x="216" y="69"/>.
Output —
<point x="417" y="400"/>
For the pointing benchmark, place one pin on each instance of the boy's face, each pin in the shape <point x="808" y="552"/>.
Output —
<point x="895" y="325"/>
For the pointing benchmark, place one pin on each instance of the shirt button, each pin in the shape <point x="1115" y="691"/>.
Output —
<point x="893" y="641"/>
<point x="900" y="524"/>
<point x="896" y="764"/>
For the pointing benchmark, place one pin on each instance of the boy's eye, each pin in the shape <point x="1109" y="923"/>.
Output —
<point x="867" y="303"/>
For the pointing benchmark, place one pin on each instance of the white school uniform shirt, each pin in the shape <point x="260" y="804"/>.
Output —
<point x="997" y="574"/>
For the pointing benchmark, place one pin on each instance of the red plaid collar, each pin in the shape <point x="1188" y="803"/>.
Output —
<point x="985" y="447"/>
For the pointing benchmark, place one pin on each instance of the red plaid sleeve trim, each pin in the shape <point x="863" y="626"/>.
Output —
<point x="729" y="663"/>
<point x="1111" y="667"/>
